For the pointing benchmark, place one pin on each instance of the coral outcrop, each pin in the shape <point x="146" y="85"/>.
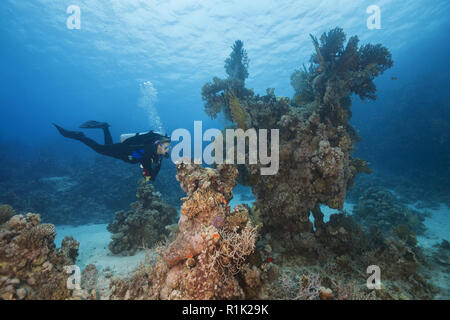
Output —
<point x="142" y="226"/>
<point x="6" y="212"/>
<point x="208" y="255"/>
<point x="379" y="207"/>
<point x="30" y="266"/>
<point x="316" y="139"/>
<point x="337" y="258"/>
<point x="317" y="167"/>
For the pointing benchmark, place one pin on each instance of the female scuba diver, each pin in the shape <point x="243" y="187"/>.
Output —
<point x="148" y="149"/>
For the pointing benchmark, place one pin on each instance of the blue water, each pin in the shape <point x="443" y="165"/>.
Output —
<point x="53" y="74"/>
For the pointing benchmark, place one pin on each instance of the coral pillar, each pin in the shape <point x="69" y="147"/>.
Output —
<point x="212" y="242"/>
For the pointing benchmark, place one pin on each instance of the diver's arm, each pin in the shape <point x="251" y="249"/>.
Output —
<point x="155" y="170"/>
<point x="147" y="162"/>
<point x="146" y="169"/>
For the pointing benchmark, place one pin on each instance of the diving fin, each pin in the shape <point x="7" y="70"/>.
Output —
<point x="69" y="134"/>
<point x="94" y="125"/>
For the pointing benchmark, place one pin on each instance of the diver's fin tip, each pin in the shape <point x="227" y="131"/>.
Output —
<point x="91" y="124"/>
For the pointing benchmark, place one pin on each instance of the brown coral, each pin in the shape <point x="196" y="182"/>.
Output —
<point x="218" y="253"/>
<point x="316" y="140"/>
<point x="238" y="113"/>
<point x="6" y="212"/>
<point x="143" y="225"/>
<point x="31" y="267"/>
<point x="203" y="261"/>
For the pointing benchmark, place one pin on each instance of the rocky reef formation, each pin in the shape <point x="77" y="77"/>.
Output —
<point x="379" y="208"/>
<point x="142" y="226"/>
<point x="316" y="168"/>
<point x="6" y="212"/>
<point x="316" y="139"/>
<point x="212" y="244"/>
<point x="30" y="266"/>
<point x="337" y="258"/>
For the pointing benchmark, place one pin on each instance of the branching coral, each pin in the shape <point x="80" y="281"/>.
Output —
<point x="237" y="111"/>
<point x="142" y="226"/>
<point x="236" y="247"/>
<point x="237" y="64"/>
<point x="301" y="81"/>
<point x="216" y="94"/>
<point x="339" y="71"/>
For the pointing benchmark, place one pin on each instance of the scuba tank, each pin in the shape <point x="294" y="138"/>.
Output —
<point x="126" y="136"/>
<point x="139" y="138"/>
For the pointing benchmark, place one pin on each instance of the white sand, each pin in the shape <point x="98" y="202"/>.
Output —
<point x="438" y="227"/>
<point x="327" y="211"/>
<point x="94" y="240"/>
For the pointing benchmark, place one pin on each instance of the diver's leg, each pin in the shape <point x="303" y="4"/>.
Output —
<point x="105" y="150"/>
<point x="92" y="124"/>
<point x="107" y="134"/>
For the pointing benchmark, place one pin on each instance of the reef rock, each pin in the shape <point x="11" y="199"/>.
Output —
<point x="30" y="266"/>
<point x="211" y="245"/>
<point x="316" y="165"/>
<point x="379" y="207"/>
<point x="210" y="248"/>
<point x="6" y="212"/>
<point x="144" y="225"/>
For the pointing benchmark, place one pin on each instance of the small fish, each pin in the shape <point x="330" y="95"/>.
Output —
<point x="269" y="259"/>
<point x="394" y="78"/>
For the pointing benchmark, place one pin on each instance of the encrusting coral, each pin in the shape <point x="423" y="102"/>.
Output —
<point x="211" y="245"/>
<point x="142" y="226"/>
<point x="30" y="266"/>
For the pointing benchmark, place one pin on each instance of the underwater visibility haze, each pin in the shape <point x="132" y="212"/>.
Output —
<point x="351" y="97"/>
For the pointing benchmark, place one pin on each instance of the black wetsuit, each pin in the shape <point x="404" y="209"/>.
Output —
<point x="141" y="148"/>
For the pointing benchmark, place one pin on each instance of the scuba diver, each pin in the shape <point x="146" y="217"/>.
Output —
<point x="148" y="148"/>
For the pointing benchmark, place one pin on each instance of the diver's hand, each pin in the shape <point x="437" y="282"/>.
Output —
<point x="146" y="175"/>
